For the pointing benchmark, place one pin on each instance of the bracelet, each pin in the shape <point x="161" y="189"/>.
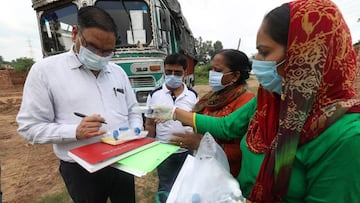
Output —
<point x="194" y="122"/>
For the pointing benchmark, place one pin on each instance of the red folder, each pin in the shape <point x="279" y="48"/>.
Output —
<point x="98" y="155"/>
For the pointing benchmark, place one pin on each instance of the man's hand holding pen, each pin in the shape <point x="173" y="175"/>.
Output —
<point x="90" y="127"/>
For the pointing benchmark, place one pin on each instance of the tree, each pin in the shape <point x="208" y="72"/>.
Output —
<point x="206" y="49"/>
<point x="202" y="50"/>
<point x="22" y="64"/>
<point x="217" y="46"/>
<point x="1" y="62"/>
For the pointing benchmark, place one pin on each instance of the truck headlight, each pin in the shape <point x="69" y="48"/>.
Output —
<point x="141" y="96"/>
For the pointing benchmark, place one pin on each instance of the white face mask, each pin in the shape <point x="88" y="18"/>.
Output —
<point x="91" y="60"/>
<point x="215" y="80"/>
<point x="173" y="81"/>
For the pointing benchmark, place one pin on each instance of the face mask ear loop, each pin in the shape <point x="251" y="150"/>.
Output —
<point x="279" y="64"/>
<point x="78" y="34"/>
<point x="228" y="73"/>
<point x="231" y="82"/>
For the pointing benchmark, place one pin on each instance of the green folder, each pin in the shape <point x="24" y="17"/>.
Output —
<point x="145" y="161"/>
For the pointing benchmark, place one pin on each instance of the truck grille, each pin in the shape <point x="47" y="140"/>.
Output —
<point x="146" y="81"/>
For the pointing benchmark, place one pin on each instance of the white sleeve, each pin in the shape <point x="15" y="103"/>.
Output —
<point x="135" y="119"/>
<point x="36" y="115"/>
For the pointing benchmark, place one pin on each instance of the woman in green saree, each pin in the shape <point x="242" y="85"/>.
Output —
<point x="301" y="134"/>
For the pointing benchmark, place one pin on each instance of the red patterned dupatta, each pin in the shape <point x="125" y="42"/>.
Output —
<point x="318" y="88"/>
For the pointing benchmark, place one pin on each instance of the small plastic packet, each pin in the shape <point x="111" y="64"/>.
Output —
<point x="142" y="109"/>
<point x="123" y="134"/>
<point x="157" y="111"/>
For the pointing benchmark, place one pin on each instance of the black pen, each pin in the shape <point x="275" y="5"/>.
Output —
<point x="83" y="115"/>
<point x="115" y="91"/>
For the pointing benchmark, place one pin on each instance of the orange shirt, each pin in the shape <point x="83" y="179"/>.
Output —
<point x="230" y="147"/>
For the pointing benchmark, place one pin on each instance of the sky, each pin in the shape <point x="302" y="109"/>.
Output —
<point x="229" y="21"/>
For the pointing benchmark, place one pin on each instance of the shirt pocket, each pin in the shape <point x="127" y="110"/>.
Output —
<point x="116" y="101"/>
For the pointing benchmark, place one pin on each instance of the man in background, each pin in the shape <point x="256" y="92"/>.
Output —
<point x="172" y="93"/>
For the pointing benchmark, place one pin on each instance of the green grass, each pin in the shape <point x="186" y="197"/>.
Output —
<point x="202" y="74"/>
<point x="144" y="191"/>
<point x="61" y="196"/>
<point x="64" y="197"/>
<point x="201" y="81"/>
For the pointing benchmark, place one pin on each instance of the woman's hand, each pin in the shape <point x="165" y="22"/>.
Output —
<point x="161" y="112"/>
<point x="187" y="140"/>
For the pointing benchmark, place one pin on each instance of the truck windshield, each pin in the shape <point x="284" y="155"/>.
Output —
<point x="132" y="19"/>
<point x="55" y="28"/>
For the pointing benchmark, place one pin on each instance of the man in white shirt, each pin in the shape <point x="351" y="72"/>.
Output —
<point x="172" y="93"/>
<point x="81" y="80"/>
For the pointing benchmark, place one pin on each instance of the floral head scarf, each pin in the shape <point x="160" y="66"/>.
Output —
<point x="318" y="88"/>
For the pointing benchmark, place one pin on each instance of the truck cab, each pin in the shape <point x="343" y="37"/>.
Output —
<point x="148" y="31"/>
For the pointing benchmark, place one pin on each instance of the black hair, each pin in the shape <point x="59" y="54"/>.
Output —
<point x="277" y="26"/>
<point x="95" y="17"/>
<point x="176" y="59"/>
<point x="237" y="61"/>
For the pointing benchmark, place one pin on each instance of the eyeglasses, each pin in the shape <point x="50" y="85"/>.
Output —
<point x="174" y="72"/>
<point x="96" y="50"/>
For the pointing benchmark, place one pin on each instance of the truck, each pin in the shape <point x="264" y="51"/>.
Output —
<point x="148" y="31"/>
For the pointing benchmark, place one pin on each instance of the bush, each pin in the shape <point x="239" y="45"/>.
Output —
<point x="22" y="64"/>
<point x="202" y="74"/>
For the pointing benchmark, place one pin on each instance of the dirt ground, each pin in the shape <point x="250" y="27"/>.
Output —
<point x="29" y="172"/>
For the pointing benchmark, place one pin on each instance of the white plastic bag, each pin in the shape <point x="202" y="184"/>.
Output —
<point x="208" y="180"/>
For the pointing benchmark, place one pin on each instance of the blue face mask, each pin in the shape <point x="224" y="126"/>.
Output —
<point x="215" y="80"/>
<point x="173" y="81"/>
<point x="267" y="75"/>
<point x="91" y="60"/>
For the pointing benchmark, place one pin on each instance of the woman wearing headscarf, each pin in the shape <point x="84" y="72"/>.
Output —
<point x="230" y="68"/>
<point x="302" y="131"/>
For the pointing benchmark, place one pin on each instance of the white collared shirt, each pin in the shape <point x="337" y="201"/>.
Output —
<point x="58" y="86"/>
<point x="186" y="101"/>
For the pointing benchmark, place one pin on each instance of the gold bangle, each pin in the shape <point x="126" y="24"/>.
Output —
<point x="194" y="121"/>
